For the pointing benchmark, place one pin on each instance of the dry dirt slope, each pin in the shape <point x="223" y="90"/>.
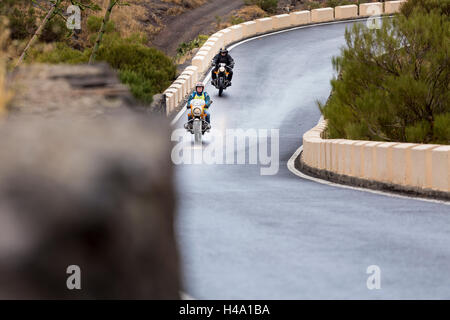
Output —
<point x="190" y="24"/>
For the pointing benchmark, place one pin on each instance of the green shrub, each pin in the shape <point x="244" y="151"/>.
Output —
<point x="442" y="128"/>
<point x="420" y="131"/>
<point x="140" y="87"/>
<point x="394" y="82"/>
<point x="22" y="22"/>
<point x="266" y="5"/>
<point x="185" y="47"/>
<point x="94" y="23"/>
<point x="310" y="5"/>
<point x="20" y="25"/>
<point x="335" y="3"/>
<point x="236" y="20"/>
<point x="62" y="53"/>
<point x="443" y="6"/>
<point x="145" y="70"/>
<point x="147" y="62"/>
<point x="55" y="30"/>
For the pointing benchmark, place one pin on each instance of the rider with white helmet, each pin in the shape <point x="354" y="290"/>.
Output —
<point x="200" y="93"/>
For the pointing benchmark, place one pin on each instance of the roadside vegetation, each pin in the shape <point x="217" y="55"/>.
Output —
<point x="315" y="4"/>
<point x="145" y="70"/>
<point x="270" y="6"/>
<point x="393" y="82"/>
<point x="186" y="47"/>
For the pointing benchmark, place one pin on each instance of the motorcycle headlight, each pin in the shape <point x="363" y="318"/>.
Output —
<point x="222" y="69"/>
<point x="197" y="111"/>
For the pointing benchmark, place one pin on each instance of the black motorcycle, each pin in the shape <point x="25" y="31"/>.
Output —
<point x="221" y="81"/>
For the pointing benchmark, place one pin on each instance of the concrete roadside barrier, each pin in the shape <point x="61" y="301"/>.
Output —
<point x="357" y="166"/>
<point x="393" y="6"/>
<point x="401" y="163"/>
<point x="175" y="94"/>
<point x="179" y="89"/>
<point x="264" y="25"/>
<point x="419" y="168"/>
<point x="208" y="49"/>
<point x="348" y="155"/>
<point x="440" y="166"/>
<point x="199" y="61"/>
<point x="282" y="21"/>
<point x="187" y="79"/>
<point x="187" y="75"/>
<point x="371" y="8"/>
<point x="328" y="155"/>
<point x="227" y="36"/>
<point x="217" y="42"/>
<point x="207" y="54"/>
<point x="322" y="15"/>
<point x="183" y="86"/>
<point x="170" y="102"/>
<point x="346" y="12"/>
<point x="421" y="165"/>
<point x="192" y="73"/>
<point x="370" y="167"/>
<point x="299" y="18"/>
<point x="336" y="152"/>
<point x="383" y="154"/>
<point x="249" y="29"/>
<point x="237" y="32"/>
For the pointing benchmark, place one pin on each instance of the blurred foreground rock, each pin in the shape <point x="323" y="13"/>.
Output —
<point x="158" y="105"/>
<point x="96" y="192"/>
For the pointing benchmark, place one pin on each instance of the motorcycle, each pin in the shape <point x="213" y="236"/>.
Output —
<point x="197" y="125"/>
<point x="221" y="82"/>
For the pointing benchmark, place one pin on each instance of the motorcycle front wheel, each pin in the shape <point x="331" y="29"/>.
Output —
<point x="197" y="132"/>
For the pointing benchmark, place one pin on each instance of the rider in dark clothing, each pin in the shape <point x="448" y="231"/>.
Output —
<point x="223" y="57"/>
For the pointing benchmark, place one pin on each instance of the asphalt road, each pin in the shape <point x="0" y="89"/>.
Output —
<point x="243" y="235"/>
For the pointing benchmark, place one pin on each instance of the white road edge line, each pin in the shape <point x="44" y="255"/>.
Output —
<point x="208" y="76"/>
<point x="291" y="167"/>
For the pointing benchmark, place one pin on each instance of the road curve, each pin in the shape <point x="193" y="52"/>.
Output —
<point x="247" y="236"/>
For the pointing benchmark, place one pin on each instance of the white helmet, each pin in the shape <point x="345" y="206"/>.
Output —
<point x="200" y="84"/>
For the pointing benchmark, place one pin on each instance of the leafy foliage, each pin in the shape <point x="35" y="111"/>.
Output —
<point x="266" y="5"/>
<point x="335" y="3"/>
<point x="145" y="70"/>
<point x="136" y="61"/>
<point x="185" y="47"/>
<point x="394" y="82"/>
<point x="23" y="18"/>
<point x="442" y="6"/>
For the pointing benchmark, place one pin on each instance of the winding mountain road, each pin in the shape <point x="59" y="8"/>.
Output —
<point x="243" y="235"/>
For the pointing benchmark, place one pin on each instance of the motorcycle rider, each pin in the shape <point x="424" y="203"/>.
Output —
<point x="200" y="93"/>
<point x="222" y="57"/>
